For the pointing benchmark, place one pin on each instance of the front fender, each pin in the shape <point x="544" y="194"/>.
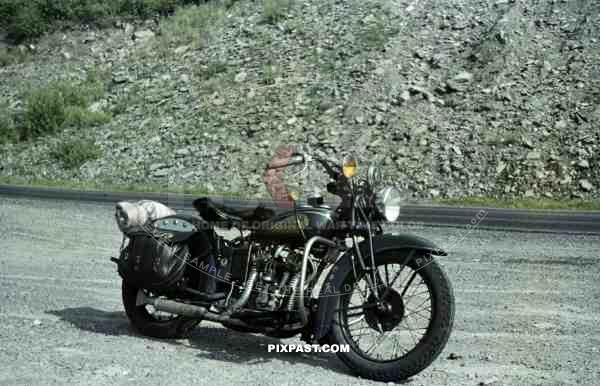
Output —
<point x="332" y="285"/>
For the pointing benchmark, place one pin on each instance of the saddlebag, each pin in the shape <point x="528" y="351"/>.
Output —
<point x="153" y="260"/>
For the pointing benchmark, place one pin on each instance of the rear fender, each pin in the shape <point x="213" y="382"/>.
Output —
<point x="333" y="284"/>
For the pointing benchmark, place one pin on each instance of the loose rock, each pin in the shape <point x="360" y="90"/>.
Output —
<point x="454" y="356"/>
<point x="463" y="77"/>
<point x="143" y="35"/>
<point x="488" y="381"/>
<point x="584" y="164"/>
<point x="586" y="185"/>
<point x="240" y="77"/>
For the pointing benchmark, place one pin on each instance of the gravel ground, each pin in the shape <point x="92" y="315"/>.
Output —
<point x="527" y="313"/>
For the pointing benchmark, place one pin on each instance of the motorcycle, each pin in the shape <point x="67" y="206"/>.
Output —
<point x="328" y="274"/>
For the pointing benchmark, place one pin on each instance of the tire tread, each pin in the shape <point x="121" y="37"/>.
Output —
<point x="411" y="364"/>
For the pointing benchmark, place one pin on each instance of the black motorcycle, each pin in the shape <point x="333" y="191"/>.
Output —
<point x="329" y="274"/>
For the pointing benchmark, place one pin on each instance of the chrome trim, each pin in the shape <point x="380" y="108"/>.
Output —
<point x="293" y="285"/>
<point x="241" y="302"/>
<point x="278" y="251"/>
<point x="305" y="257"/>
<point x="248" y="261"/>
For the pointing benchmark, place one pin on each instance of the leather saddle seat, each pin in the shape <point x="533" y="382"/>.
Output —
<point x="215" y="213"/>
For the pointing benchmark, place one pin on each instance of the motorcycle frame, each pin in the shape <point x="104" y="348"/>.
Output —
<point x="357" y="255"/>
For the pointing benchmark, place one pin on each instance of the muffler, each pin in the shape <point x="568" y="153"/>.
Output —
<point x="178" y="308"/>
<point x="187" y="310"/>
<point x="199" y="312"/>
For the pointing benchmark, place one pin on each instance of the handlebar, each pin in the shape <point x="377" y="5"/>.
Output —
<point x="340" y="185"/>
<point x="332" y="170"/>
<point x="289" y="163"/>
<point x="329" y="166"/>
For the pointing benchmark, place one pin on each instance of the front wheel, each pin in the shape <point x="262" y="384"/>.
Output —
<point x="400" y="331"/>
<point x="151" y="322"/>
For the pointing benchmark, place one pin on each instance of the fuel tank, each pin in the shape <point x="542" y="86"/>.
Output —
<point x="296" y="226"/>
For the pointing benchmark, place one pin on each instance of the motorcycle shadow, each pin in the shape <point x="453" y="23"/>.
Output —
<point x="218" y="343"/>
<point x="94" y="320"/>
<point x="211" y="340"/>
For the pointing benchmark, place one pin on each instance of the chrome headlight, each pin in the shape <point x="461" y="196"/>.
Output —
<point x="387" y="201"/>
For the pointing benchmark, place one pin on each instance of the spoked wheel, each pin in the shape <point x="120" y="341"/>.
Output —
<point x="397" y="332"/>
<point x="151" y="322"/>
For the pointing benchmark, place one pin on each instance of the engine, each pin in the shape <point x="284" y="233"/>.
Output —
<point x="278" y="278"/>
<point x="251" y="276"/>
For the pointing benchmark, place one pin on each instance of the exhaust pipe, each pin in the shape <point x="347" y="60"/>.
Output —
<point x="241" y="302"/>
<point x="199" y="312"/>
<point x="173" y="307"/>
<point x="189" y="310"/>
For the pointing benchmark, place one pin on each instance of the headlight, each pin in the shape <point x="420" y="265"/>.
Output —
<point x="387" y="201"/>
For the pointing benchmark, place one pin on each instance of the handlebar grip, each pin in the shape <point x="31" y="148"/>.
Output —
<point x="271" y="167"/>
<point x="295" y="154"/>
<point x="290" y="163"/>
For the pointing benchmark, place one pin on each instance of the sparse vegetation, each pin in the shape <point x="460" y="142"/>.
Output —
<point x="211" y="70"/>
<point x="44" y="113"/>
<point x="27" y="19"/>
<point x="126" y="99"/>
<point x="12" y="55"/>
<point x="189" y="25"/>
<point x="60" y="104"/>
<point x="7" y="126"/>
<point x="523" y="203"/>
<point x="275" y="10"/>
<point x="109" y="186"/>
<point x="202" y="86"/>
<point x="81" y="117"/>
<point x="376" y="33"/>
<point x="73" y="154"/>
<point x="269" y="74"/>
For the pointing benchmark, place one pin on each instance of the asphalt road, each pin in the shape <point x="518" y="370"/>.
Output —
<point x="528" y="312"/>
<point x="527" y="220"/>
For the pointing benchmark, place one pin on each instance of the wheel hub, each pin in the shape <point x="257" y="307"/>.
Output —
<point x="388" y="313"/>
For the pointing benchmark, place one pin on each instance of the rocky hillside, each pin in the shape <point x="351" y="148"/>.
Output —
<point x="452" y="98"/>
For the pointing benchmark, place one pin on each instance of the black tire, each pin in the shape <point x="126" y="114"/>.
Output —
<point x="146" y="324"/>
<point x="431" y="343"/>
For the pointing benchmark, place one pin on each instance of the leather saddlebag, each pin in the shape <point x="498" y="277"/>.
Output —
<point x="150" y="261"/>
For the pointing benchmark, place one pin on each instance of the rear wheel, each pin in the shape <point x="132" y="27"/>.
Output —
<point x="151" y="322"/>
<point x="399" y="335"/>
